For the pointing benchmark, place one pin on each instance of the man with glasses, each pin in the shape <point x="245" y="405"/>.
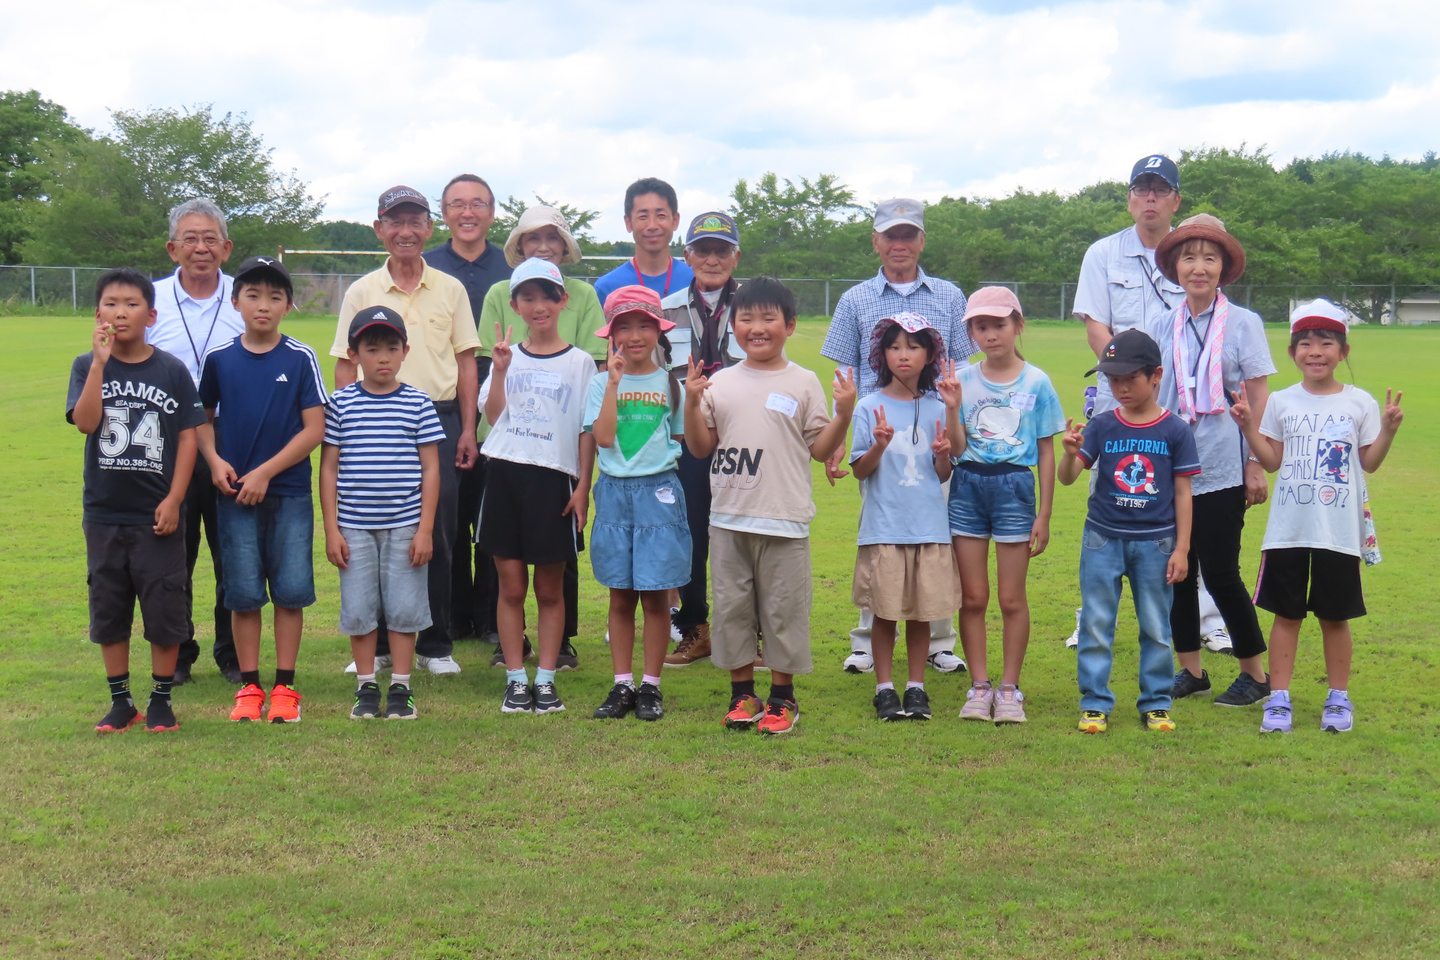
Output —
<point x="441" y="330"/>
<point x="193" y="313"/>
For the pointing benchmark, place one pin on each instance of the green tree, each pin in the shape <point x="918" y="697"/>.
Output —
<point x="30" y="127"/>
<point x="804" y="230"/>
<point x="579" y="219"/>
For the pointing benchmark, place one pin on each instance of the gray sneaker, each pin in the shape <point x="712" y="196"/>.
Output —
<point x="1245" y="691"/>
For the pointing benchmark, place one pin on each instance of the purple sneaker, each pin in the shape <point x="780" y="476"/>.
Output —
<point x="1338" y="715"/>
<point x="1277" y="716"/>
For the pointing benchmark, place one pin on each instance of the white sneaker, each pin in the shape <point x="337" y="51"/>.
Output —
<point x="440" y="666"/>
<point x="1073" y="641"/>
<point x="945" y="661"/>
<point x="1220" y="642"/>
<point x="859" y="662"/>
<point x="382" y="662"/>
<point x="607" y="637"/>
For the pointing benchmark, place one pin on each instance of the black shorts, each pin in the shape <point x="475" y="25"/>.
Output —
<point x="129" y="562"/>
<point x="1333" y="580"/>
<point x="521" y="514"/>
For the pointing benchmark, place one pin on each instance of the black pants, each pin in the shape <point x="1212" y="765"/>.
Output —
<point x="474" y="587"/>
<point x="1218" y="521"/>
<point x="695" y="481"/>
<point x="200" y="506"/>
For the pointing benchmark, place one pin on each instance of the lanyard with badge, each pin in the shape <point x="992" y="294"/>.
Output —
<point x="1151" y="269"/>
<point x="640" y="277"/>
<point x="185" y="322"/>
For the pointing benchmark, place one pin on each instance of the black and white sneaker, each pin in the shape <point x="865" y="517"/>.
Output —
<point x="568" y="659"/>
<point x="517" y="698"/>
<point x="620" y="702"/>
<point x="499" y="659"/>
<point x="367" y="702"/>
<point x="400" y="703"/>
<point x="649" y="704"/>
<point x="917" y="703"/>
<point x="887" y="705"/>
<point x="546" y="699"/>
<point x="1187" y="684"/>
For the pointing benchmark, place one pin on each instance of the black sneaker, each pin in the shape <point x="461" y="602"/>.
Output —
<point x="887" y="705"/>
<point x="620" y="702"/>
<point x="517" y="698"/>
<point x="400" y="703"/>
<point x="917" y="703"/>
<point x="649" y="704"/>
<point x="160" y="716"/>
<point x="367" y="702"/>
<point x="546" y="699"/>
<point x="232" y="675"/>
<point x="122" y="717"/>
<point x="1243" y="692"/>
<point x="1187" y="683"/>
<point x="569" y="659"/>
<point x="499" y="659"/>
<point x="182" y="675"/>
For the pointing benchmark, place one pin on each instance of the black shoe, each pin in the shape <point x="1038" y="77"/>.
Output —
<point x="546" y="699"/>
<point x="122" y="717"/>
<point x="517" y="698"/>
<point x="232" y="675"/>
<point x="367" y="702"/>
<point x="569" y="659"/>
<point x="160" y="716"/>
<point x="887" y="705"/>
<point x="649" y="704"/>
<point x="499" y="659"/>
<point x="1187" y="683"/>
<point x="1243" y="692"/>
<point x="917" y="703"/>
<point x="182" y="675"/>
<point x="400" y="703"/>
<point x="620" y="702"/>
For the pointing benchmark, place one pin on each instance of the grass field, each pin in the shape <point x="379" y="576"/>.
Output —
<point x="471" y="834"/>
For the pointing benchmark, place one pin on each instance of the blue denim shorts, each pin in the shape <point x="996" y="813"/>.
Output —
<point x="641" y="537"/>
<point x="379" y="578"/>
<point x="992" y="506"/>
<point x="270" y="543"/>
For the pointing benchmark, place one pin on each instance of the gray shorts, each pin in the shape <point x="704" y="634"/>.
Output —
<point x="760" y="582"/>
<point x="380" y="577"/>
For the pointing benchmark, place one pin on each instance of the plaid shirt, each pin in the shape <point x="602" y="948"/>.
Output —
<point x="862" y="306"/>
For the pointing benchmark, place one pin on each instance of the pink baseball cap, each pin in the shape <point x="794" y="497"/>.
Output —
<point x="992" y="302"/>
<point x="633" y="299"/>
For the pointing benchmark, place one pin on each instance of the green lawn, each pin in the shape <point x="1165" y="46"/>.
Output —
<point x="471" y="834"/>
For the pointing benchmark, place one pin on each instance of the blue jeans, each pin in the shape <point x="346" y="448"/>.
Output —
<point x="270" y="544"/>
<point x="1103" y="561"/>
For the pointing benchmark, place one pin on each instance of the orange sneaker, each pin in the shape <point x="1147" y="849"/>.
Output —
<point x="781" y="716"/>
<point x="248" y="701"/>
<point x="745" y="711"/>
<point x="284" y="704"/>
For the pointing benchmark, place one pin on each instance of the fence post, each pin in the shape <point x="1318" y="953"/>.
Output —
<point x="827" y="296"/>
<point x="74" y="302"/>
<point x="1062" y="301"/>
<point x="32" y="286"/>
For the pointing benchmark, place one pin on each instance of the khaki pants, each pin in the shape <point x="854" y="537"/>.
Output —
<point x="760" y="581"/>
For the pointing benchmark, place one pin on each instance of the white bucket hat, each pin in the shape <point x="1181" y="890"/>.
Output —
<point x="533" y="219"/>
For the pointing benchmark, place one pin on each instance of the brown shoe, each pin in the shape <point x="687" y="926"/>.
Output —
<point x="694" y="645"/>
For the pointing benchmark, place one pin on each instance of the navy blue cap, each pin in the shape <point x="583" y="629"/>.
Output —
<point x="377" y="317"/>
<point x="266" y="270"/>
<point x="1128" y="351"/>
<point x="1160" y="165"/>
<point x="714" y="224"/>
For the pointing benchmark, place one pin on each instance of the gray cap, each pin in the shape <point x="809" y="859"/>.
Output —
<point x="901" y="210"/>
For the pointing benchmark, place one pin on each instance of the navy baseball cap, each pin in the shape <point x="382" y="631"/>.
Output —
<point x="1127" y="351"/>
<point x="265" y="270"/>
<point x="1158" y="164"/>
<point x="714" y="224"/>
<point x="368" y="317"/>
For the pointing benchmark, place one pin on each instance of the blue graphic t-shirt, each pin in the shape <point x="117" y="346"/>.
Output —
<point x="645" y="424"/>
<point x="1003" y="421"/>
<point x="1135" y="468"/>
<point x="902" y="500"/>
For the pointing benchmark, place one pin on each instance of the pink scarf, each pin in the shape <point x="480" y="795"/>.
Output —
<point x="1207" y="393"/>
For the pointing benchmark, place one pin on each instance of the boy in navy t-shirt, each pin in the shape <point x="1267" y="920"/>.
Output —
<point x="1138" y="526"/>
<point x="266" y="397"/>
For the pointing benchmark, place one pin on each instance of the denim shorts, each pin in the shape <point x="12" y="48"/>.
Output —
<point x="270" y="544"/>
<point x="641" y="537"/>
<point x="992" y="506"/>
<point x="379" y="577"/>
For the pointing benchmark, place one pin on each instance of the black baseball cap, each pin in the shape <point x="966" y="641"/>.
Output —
<point x="265" y="270"/>
<point x="1127" y="351"/>
<point x="400" y="196"/>
<point x="1158" y="164"/>
<point x="367" y="317"/>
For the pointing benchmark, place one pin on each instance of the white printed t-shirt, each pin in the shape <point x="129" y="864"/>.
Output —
<point x="544" y="409"/>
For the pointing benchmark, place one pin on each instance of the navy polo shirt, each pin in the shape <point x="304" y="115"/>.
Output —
<point x="476" y="275"/>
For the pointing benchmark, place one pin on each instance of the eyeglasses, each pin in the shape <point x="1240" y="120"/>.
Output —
<point x="1159" y="190"/>
<point x="414" y="223"/>
<point x="190" y="242"/>
<point x="717" y="250"/>
<point x="460" y="206"/>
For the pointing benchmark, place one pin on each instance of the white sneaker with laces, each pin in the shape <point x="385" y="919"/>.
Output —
<point x="440" y="666"/>
<point x="946" y="662"/>
<point x="859" y="662"/>
<point x="382" y="662"/>
<point x="1073" y="641"/>
<point x="1220" y="642"/>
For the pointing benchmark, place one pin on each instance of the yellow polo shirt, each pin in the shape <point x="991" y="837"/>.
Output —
<point x="438" y="323"/>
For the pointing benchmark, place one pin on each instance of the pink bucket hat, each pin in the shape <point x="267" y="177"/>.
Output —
<point x="910" y="323"/>
<point x="633" y="299"/>
<point x="992" y="302"/>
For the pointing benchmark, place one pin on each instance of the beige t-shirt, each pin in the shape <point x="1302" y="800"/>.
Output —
<point x="760" y="472"/>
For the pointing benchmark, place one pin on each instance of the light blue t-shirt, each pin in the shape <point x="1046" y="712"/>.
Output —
<point x="1003" y="420"/>
<point x="644" y="424"/>
<point x="902" y="501"/>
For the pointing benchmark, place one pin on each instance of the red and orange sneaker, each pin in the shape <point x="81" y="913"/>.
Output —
<point x="781" y="716"/>
<point x="248" y="701"/>
<point x="745" y="711"/>
<point x="284" y="704"/>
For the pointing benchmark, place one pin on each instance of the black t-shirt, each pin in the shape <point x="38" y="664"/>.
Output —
<point x="130" y="460"/>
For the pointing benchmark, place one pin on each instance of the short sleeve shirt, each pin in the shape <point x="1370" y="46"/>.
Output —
<point x="1135" y="468"/>
<point x="130" y="459"/>
<point x="379" y="436"/>
<point x="646" y="424"/>
<point x="765" y="422"/>
<point x="902" y="501"/>
<point x="477" y="276"/>
<point x="544" y="409"/>
<point x="1319" y="497"/>
<point x="187" y="328"/>
<point x="678" y="277"/>
<point x="1004" y="421"/>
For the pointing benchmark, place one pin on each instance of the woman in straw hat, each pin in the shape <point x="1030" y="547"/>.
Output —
<point x="1210" y="347"/>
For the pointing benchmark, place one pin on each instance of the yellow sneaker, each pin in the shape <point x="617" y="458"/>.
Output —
<point x="1093" y="721"/>
<point x="1158" y="720"/>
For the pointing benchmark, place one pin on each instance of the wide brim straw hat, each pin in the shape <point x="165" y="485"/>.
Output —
<point x="1202" y="226"/>
<point x="533" y="219"/>
<point x="910" y="323"/>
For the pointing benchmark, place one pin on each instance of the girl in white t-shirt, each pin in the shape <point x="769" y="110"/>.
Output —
<point x="1320" y="435"/>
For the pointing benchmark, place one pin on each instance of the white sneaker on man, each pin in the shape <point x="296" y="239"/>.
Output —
<point x="440" y="666"/>
<point x="859" y="661"/>
<point x="1073" y="641"/>
<point x="382" y="662"/>
<point x="1218" y="641"/>
<point x="945" y="661"/>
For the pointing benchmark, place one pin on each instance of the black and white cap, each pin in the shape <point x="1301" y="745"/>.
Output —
<point x="367" y="317"/>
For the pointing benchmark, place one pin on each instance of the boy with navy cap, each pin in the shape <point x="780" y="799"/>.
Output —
<point x="379" y="486"/>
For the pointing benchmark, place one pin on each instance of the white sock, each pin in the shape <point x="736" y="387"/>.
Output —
<point x="363" y="679"/>
<point x="884" y="686"/>
<point x="1280" y="694"/>
<point x="914" y="685"/>
<point x="626" y="678"/>
<point x="653" y="681"/>
<point x="401" y="678"/>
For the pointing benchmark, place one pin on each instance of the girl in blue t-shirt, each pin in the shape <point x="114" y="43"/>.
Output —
<point x="901" y="455"/>
<point x="640" y="541"/>
<point x="1011" y="414"/>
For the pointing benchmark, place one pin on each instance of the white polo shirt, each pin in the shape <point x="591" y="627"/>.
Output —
<point x="186" y="328"/>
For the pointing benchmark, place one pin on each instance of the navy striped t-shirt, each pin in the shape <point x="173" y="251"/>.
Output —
<point x="379" y="437"/>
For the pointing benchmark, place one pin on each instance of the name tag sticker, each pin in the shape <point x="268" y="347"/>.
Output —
<point x="1022" y="401"/>
<point x="1189" y="383"/>
<point x="1339" y="430"/>
<point x="545" y="380"/>
<point x="782" y="404"/>
<point x="665" y="494"/>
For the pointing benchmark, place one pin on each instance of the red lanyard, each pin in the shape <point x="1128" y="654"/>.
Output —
<point x="641" y="277"/>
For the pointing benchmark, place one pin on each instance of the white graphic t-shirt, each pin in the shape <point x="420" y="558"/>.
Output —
<point x="544" y="408"/>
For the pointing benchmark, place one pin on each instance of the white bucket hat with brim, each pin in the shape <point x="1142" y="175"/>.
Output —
<point x="533" y="219"/>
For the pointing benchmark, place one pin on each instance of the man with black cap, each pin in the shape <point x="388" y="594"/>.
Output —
<point x="441" y="327"/>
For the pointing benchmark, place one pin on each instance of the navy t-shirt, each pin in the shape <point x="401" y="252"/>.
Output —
<point x="257" y="399"/>
<point x="625" y="275"/>
<point x="1135" y="468"/>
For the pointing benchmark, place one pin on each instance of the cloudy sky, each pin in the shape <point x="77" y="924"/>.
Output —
<point x="575" y="100"/>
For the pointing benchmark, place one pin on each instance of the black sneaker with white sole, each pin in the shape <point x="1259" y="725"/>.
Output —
<point x="1246" y="690"/>
<point x="367" y="702"/>
<point x="546" y="699"/>
<point x="499" y="659"/>
<point x="1186" y="683"/>
<point x="568" y="659"/>
<point x="620" y="702"/>
<point x="917" y="703"/>
<point x="400" y="703"/>
<point x="887" y="705"/>
<point x="649" y="704"/>
<point x="517" y="698"/>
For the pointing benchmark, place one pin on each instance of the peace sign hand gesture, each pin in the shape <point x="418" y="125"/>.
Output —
<point x="1392" y="415"/>
<point x="941" y="446"/>
<point x="696" y="383"/>
<point x="948" y="386"/>
<point x="1074" y="437"/>
<point x="1240" y="409"/>
<point x="882" y="433"/>
<point x="500" y="354"/>
<point x="616" y="365"/>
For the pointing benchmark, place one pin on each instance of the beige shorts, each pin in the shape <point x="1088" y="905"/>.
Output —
<point x="760" y="582"/>
<point x="907" y="581"/>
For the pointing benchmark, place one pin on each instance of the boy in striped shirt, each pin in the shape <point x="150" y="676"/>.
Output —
<point x="379" y="485"/>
